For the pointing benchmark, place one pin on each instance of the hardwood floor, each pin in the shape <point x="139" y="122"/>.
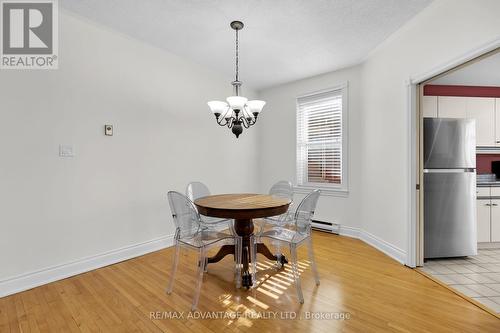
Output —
<point x="379" y="295"/>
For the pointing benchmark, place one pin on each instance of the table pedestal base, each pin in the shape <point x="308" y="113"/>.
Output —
<point x="244" y="228"/>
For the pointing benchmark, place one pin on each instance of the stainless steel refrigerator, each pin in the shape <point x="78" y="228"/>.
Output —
<point x="449" y="188"/>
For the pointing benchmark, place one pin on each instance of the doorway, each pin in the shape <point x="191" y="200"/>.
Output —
<point x="469" y="89"/>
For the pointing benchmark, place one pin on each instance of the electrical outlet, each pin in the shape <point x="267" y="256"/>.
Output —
<point x="108" y="130"/>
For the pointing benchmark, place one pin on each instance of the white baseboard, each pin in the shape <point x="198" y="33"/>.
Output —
<point x="349" y="231"/>
<point x="492" y="245"/>
<point x="34" y="279"/>
<point x="380" y="244"/>
<point x="30" y="280"/>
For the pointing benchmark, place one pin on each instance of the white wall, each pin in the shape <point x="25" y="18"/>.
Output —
<point x="113" y="193"/>
<point x="441" y="33"/>
<point x="485" y="72"/>
<point x="277" y="139"/>
<point x="379" y="123"/>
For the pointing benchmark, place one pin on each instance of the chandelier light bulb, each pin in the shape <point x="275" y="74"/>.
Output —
<point x="237" y="102"/>
<point x="256" y="106"/>
<point x="218" y="107"/>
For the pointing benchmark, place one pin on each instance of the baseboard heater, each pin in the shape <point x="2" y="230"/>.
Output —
<point x="333" y="228"/>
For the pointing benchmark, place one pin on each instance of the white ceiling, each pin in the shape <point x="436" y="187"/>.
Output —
<point x="283" y="40"/>
<point x="485" y="72"/>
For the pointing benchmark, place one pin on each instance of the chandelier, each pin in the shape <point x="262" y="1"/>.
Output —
<point x="238" y="112"/>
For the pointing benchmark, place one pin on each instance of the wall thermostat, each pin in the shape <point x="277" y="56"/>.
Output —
<point x="108" y="130"/>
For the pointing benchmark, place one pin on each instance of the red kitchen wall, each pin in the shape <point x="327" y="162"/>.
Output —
<point x="466" y="91"/>
<point x="483" y="162"/>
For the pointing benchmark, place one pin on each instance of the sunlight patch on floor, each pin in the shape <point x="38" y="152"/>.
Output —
<point x="270" y="282"/>
<point x="258" y="303"/>
<point x="274" y="284"/>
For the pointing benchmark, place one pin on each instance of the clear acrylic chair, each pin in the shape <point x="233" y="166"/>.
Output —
<point x="282" y="189"/>
<point x="296" y="232"/>
<point x="190" y="234"/>
<point x="195" y="190"/>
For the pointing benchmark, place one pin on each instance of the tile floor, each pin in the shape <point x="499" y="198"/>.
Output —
<point x="477" y="277"/>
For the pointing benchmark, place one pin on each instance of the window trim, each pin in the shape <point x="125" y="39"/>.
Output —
<point x="326" y="188"/>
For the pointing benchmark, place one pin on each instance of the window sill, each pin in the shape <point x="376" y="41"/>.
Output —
<point x="325" y="190"/>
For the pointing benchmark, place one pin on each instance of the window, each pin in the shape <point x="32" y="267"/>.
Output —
<point x="321" y="139"/>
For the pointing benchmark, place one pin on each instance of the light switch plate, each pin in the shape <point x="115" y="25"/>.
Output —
<point x="66" y="151"/>
<point x="108" y="130"/>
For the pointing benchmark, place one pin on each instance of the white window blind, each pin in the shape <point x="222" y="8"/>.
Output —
<point x="319" y="139"/>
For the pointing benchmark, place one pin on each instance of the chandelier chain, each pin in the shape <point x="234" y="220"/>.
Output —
<point x="237" y="57"/>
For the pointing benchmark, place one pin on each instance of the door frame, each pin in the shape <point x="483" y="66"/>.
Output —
<point x="414" y="157"/>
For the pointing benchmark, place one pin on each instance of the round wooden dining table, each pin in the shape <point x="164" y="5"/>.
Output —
<point x="243" y="208"/>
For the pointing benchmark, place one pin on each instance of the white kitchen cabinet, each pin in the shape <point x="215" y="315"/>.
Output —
<point x="486" y="112"/>
<point x="483" y="220"/>
<point x="483" y="191"/>
<point x="483" y="111"/>
<point x="497" y="121"/>
<point x="452" y="107"/>
<point x="495" y="220"/>
<point x="495" y="191"/>
<point x="430" y="106"/>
